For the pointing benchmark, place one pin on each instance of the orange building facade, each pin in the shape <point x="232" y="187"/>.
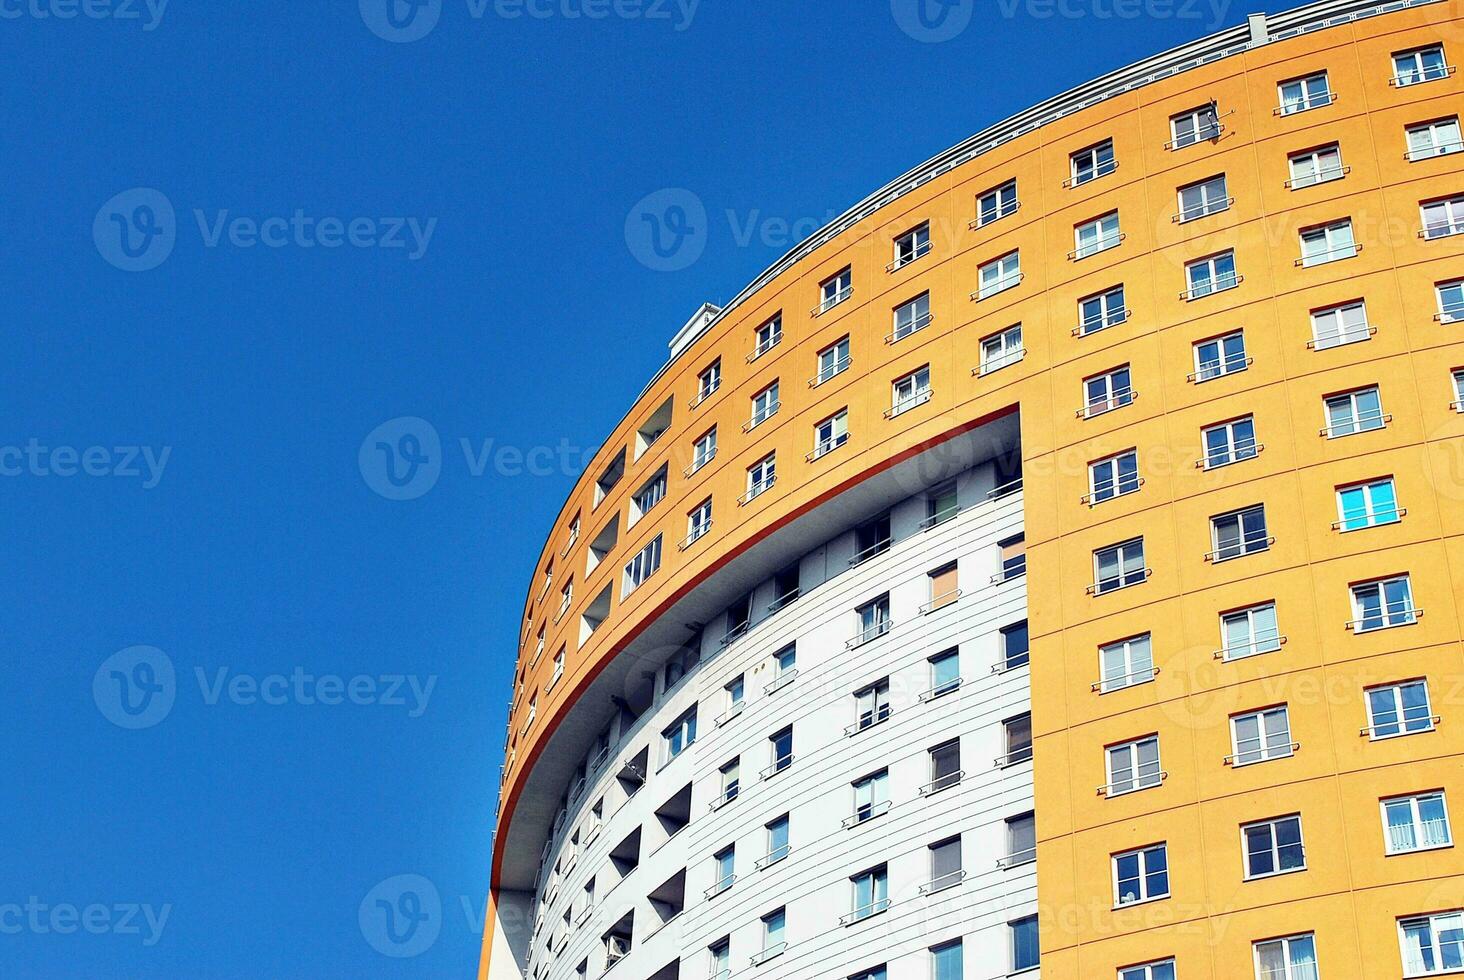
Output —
<point x="1220" y="290"/>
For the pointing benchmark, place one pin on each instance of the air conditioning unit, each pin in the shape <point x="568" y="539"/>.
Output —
<point x="617" y="948"/>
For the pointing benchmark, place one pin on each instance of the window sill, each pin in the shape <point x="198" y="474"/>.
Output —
<point x="1419" y="850"/>
<point x="1121" y="906"/>
<point x="1274" y="874"/>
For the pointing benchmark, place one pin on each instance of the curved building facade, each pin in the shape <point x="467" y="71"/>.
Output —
<point x="1052" y="567"/>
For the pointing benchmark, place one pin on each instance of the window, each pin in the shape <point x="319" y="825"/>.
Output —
<point x="1119" y="565"/>
<point x="1013" y="558"/>
<point x="1398" y="709"/>
<point x="1416" y="823"/>
<point x="1367" y="505"/>
<point x="724" y="864"/>
<point x="942" y="503"/>
<point x="942" y="587"/>
<point x="558" y="668"/>
<point x="774" y="933"/>
<point x="786" y="660"/>
<point x="1419" y="65"/>
<point x="1327" y="243"/>
<point x="945" y="673"/>
<point x="1260" y="736"/>
<point x="832" y="360"/>
<point x="871" y="538"/>
<point x="1316" y="166"/>
<point x="704" y="450"/>
<point x="1190" y="127"/>
<point x="1301" y="94"/>
<point x="874" y="619"/>
<point x="911" y="245"/>
<point x="642" y="566"/>
<point x="1451" y="301"/>
<point x="736" y="690"/>
<point x="781" y="744"/>
<point x="1203" y="198"/>
<point x="1113" y="476"/>
<point x="679" y="736"/>
<point x="1141" y="876"/>
<point x="1105" y="392"/>
<point x="1229" y="442"/>
<point x="946" y="961"/>
<point x="1093" y="162"/>
<point x="999" y="274"/>
<point x="1133" y="766"/>
<point x="699" y="521"/>
<point x="1220" y="356"/>
<point x="1001" y="349"/>
<point x="1335" y="326"/>
<point x="1025" y="947"/>
<point x="1021" y="839"/>
<point x="1458" y="405"/>
<point x="1101" y="310"/>
<point x="1095" y="236"/>
<point x="1249" y="631"/>
<point x="1015" y="648"/>
<point x="731" y="773"/>
<point x="831" y="433"/>
<point x="945" y="767"/>
<point x="1210" y="275"/>
<point x="1434" y="139"/>
<point x="1289" y="958"/>
<point x="874" y="973"/>
<point x="836" y="289"/>
<point x="871" y="893"/>
<point x="1017" y="739"/>
<point x="1432" y="944"/>
<point x="1383" y="603"/>
<point x="764" y="405"/>
<point x="911" y="316"/>
<point x="721" y="957"/>
<point x="761" y="476"/>
<point x="871" y="704"/>
<point x="1125" y="663"/>
<point x="1442" y="218"/>
<point x="1158" y="970"/>
<point x="566" y="597"/>
<point x="777" y="833"/>
<point x="1239" y="532"/>
<point x="996" y="203"/>
<point x="650" y="494"/>
<point x="1353" y="412"/>
<point x="911" y="390"/>
<point x="709" y="381"/>
<point x="945" y="865"/>
<point x="871" y="797"/>
<point x="1273" y="847"/>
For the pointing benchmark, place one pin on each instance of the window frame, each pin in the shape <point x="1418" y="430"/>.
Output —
<point x="1263" y="751"/>
<point x="1415" y="822"/>
<point x="1274" y="850"/>
<point x="1142" y="854"/>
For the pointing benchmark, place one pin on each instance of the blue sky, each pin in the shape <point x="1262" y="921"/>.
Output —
<point x="254" y="675"/>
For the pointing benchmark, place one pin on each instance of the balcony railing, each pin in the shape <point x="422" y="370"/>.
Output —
<point x="827" y="446"/>
<point x="874" y="550"/>
<point x="1140" y="781"/>
<point x="1011" y="355"/>
<point x="700" y="461"/>
<point x="762" y="956"/>
<point x="1237" y="453"/>
<point x="1400" y="727"/>
<point x="756" y="490"/>
<point x="1122" y="580"/>
<point x="697" y="533"/>
<point x="1202" y="210"/>
<point x="1307" y="260"/>
<point x="1428" y="74"/>
<point x="998" y="285"/>
<point x="939" y="690"/>
<point x="1400" y="613"/>
<point x="772" y="857"/>
<point x="1441" y="230"/>
<point x="1266" y="643"/>
<point x="1098" y="245"/>
<point x="1211" y="286"/>
<point x="1433" y="150"/>
<point x="758" y="418"/>
<point x="864" y="912"/>
<point x="1210" y="131"/>
<point x="1087" y="176"/>
<point x="729" y="714"/>
<point x="1264" y="753"/>
<point x="1014" y="757"/>
<point x="940" y="602"/>
<point x="1017" y="858"/>
<point x="1319" y="177"/>
<point x="941" y="882"/>
<point x="1102" y="321"/>
<point x="1366" y="422"/>
<point x="1247" y="544"/>
<point x="765" y="345"/>
<point x="1002" y="211"/>
<point x="721" y="886"/>
<point x="914" y="326"/>
<point x="1304" y="103"/>
<point x="1118" y="682"/>
<point x="1219" y="369"/>
<point x="868" y="719"/>
<point x="866" y="813"/>
<point x="919" y="251"/>
<point x="1101" y="406"/>
<point x="910" y="401"/>
<point x="832" y="300"/>
<point x="778" y="766"/>
<point x="942" y="782"/>
<point x="871" y="632"/>
<point x="1371" y="518"/>
<point x="781" y="681"/>
<point x="833" y="371"/>
<point x="707" y="391"/>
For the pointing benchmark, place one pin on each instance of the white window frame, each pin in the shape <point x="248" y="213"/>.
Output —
<point x="1271" y="823"/>
<point x="1411" y="67"/>
<point x="1145" y="971"/>
<point x="1287" y="946"/>
<point x="1452" y="209"/>
<point x="1458" y="376"/>
<point x="682" y="729"/>
<point x="1122" y="552"/>
<point x="831" y="433"/>
<point x="1306" y="92"/>
<point x="1356" y="421"/>
<point x="1112" y="310"/>
<point x="909" y="391"/>
<point x="1115" y="395"/>
<point x="835" y="289"/>
<point x="1374" y="514"/>
<point x="1266" y="748"/>
<point x="1103" y="233"/>
<point x="1104" y="486"/>
<point x="1407" y="615"/>
<point x="762" y="474"/>
<point x="1450" y="311"/>
<point x="1320" y="171"/>
<point x="1259" y="640"/>
<point x="1237" y="449"/>
<point x="704" y="450"/>
<point x="1340" y="325"/>
<point x="1204" y="124"/>
<point x="833" y="360"/>
<point x="1134" y="656"/>
<point x="1229" y="363"/>
<point x="1404" y="717"/>
<point x="1246" y="543"/>
<point x="767" y="336"/>
<point x="1213" y="282"/>
<point x="1088" y="165"/>
<point x="1411" y="965"/>
<point x="1214" y="197"/>
<point x="1000" y="274"/>
<point x="709" y="381"/>
<point x="699" y="521"/>
<point x="912" y="245"/>
<point x="1144" y="855"/>
<point x="1443" y="135"/>
<point x="765" y="405"/>
<point x="1002" y="349"/>
<point x="1414" y="804"/>
<point x="1002" y="204"/>
<point x="1133" y="770"/>
<point x="1336" y="238"/>
<point x="910" y="317"/>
